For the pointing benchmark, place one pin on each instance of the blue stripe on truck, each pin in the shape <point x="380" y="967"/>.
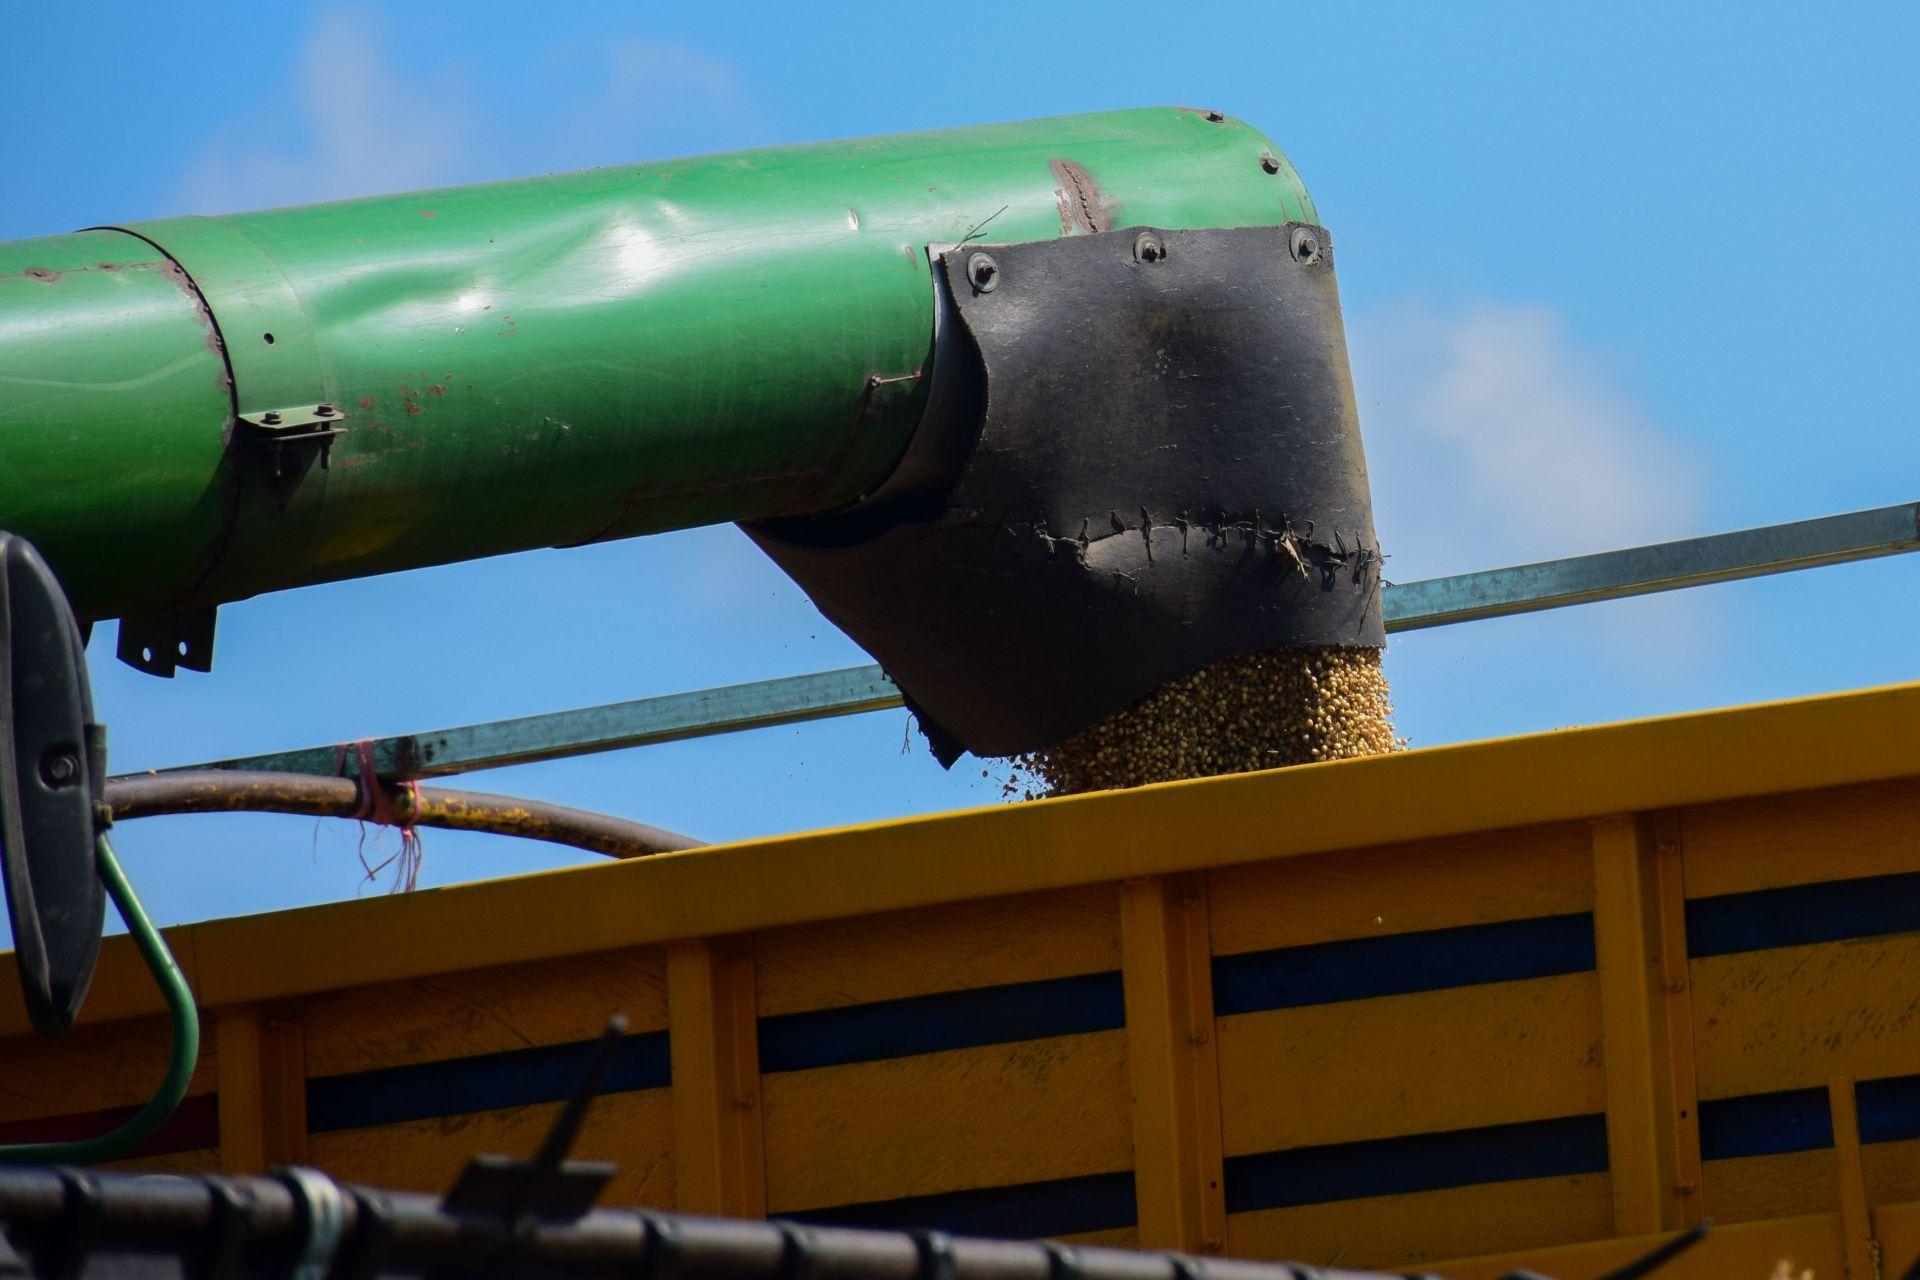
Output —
<point x="1402" y="963"/>
<point x="1831" y="911"/>
<point x="1028" y="1211"/>
<point x="941" y="1022"/>
<point x="1560" y="1147"/>
<point x="1772" y="1124"/>
<point x="485" y="1082"/>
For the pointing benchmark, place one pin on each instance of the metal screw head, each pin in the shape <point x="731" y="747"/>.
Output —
<point x="1269" y="162"/>
<point x="323" y="410"/>
<point x="270" y="419"/>
<point x="1148" y="247"/>
<point x="1305" y="245"/>
<point x="61" y="768"/>
<point x="984" y="272"/>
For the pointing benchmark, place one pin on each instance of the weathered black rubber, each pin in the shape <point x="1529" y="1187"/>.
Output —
<point x="1168" y="471"/>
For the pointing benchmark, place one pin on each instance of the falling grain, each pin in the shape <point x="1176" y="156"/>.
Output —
<point x="1253" y="711"/>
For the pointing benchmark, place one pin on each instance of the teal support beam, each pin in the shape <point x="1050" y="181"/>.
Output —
<point x="643" y="722"/>
<point x="1664" y="566"/>
<point x="1411" y="606"/>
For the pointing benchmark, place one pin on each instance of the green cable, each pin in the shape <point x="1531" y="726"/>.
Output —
<point x="121" y="1142"/>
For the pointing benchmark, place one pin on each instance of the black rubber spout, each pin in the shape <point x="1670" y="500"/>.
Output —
<point x="1153" y="463"/>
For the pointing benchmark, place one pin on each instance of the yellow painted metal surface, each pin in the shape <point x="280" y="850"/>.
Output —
<point x="720" y="1164"/>
<point x="1461" y="1058"/>
<point x="1789" y="1018"/>
<point x="1173" y="1067"/>
<point x="1652" y="1107"/>
<point x="1481" y="877"/>
<point x="261" y="1102"/>
<point x="991" y="1116"/>
<point x="1529" y="1002"/>
<point x="958" y="946"/>
<point x="1856" y="1214"/>
<point x="1430" y="1229"/>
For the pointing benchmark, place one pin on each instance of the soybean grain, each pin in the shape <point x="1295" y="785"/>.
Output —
<point x="1259" y="710"/>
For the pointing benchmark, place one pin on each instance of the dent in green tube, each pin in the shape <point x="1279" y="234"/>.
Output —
<point x="592" y="355"/>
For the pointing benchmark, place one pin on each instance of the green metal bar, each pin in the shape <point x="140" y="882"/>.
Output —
<point x="1411" y="606"/>
<point x="536" y="363"/>
<point x="144" y="1123"/>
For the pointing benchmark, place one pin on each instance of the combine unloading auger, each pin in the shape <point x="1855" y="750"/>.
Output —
<point x="1042" y="414"/>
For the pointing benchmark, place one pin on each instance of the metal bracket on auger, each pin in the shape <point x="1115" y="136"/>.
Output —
<point x="161" y="643"/>
<point x="281" y="429"/>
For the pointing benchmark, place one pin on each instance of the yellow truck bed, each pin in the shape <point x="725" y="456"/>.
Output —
<point x="1525" y="1002"/>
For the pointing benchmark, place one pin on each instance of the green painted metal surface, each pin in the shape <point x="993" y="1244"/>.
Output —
<point x="543" y="362"/>
<point x="113" y="405"/>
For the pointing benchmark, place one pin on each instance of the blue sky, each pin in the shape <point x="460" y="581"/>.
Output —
<point x="1613" y="274"/>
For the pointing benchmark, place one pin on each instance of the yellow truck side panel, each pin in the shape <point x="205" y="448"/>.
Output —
<point x="1531" y="1002"/>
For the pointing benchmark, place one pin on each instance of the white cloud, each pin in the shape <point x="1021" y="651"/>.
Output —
<point x="354" y="120"/>
<point x="644" y="99"/>
<point x="1494" y="438"/>
<point x="344" y="120"/>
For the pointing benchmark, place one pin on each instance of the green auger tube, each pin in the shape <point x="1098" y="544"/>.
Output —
<point x="195" y="410"/>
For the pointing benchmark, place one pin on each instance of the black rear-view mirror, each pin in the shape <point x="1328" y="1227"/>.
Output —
<point x="52" y="758"/>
